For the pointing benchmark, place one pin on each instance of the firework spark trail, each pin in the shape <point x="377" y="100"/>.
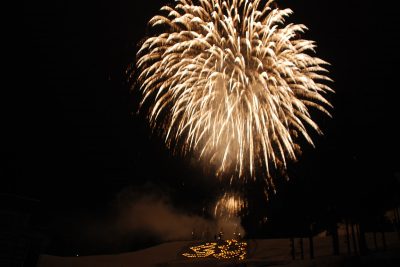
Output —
<point x="230" y="81"/>
<point x="229" y="205"/>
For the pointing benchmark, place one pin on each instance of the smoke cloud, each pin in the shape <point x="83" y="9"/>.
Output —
<point x="155" y="215"/>
<point x="136" y="219"/>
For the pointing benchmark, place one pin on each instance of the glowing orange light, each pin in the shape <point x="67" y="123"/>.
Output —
<point x="229" y="249"/>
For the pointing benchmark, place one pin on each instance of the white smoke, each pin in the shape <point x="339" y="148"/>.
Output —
<point x="156" y="216"/>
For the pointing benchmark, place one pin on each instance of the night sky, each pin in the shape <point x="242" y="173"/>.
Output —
<point x="74" y="140"/>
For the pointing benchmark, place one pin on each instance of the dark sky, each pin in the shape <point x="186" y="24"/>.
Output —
<point x="74" y="141"/>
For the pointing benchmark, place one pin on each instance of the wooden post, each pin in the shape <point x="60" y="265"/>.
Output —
<point x="311" y="241"/>
<point x="301" y="248"/>
<point x="353" y="235"/>
<point x="335" y="240"/>
<point x="362" y="242"/>
<point x="375" y="241"/>
<point x="348" y="237"/>
<point x="292" y="248"/>
<point x="360" y="251"/>
<point x="384" y="240"/>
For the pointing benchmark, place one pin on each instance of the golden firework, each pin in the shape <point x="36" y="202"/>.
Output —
<point x="231" y="82"/>
<point x="229" y="205"/>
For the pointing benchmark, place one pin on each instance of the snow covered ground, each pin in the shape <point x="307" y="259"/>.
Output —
<point x="262" y="252"/>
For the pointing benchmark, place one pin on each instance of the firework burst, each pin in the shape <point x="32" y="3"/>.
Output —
<point x="231" y="82"/>
<point x="231" y="204"/>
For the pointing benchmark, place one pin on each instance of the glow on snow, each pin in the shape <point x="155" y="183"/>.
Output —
<point x="229" y="249"/>
<point x="232" y="83"/>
